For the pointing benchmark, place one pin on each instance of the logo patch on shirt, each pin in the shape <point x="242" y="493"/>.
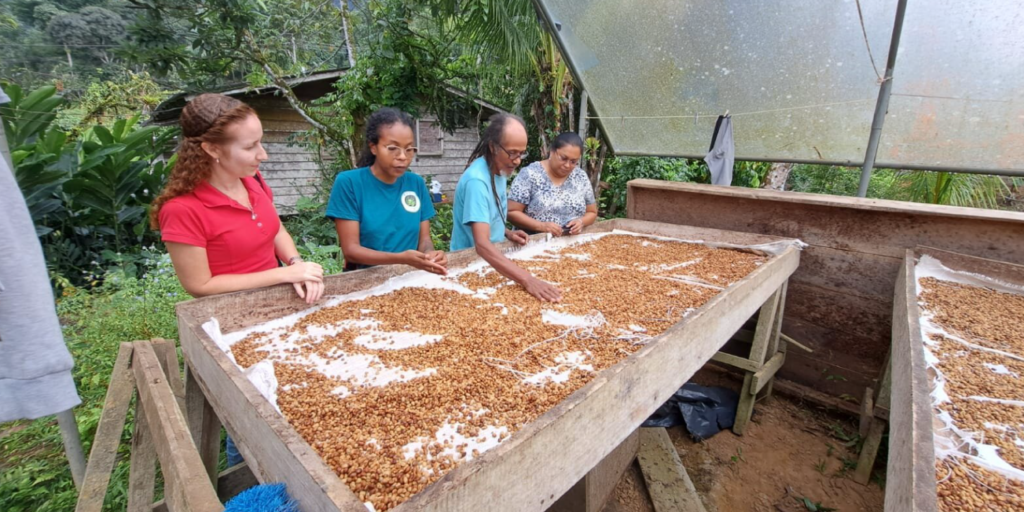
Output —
<point x="411" y="201"/>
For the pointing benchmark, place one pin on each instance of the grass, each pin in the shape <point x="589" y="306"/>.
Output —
<point x="34" y="474"/>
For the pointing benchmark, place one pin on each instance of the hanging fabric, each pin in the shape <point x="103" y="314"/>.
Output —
<point x="721" y="154"/>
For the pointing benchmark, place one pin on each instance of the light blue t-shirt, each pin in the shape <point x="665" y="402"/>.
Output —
<point x="474" y="202"/>
<point x="389" y="216"/>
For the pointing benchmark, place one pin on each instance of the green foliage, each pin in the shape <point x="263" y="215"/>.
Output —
<point x="619" y="171"/>
<point x="815" y="506"/>
<point x="314" y="235"/>
<point x="956" y="189"/>
<point x="38" y="30"/>
<point x="35" y="476"/>
<point x="88" y="197"/>
<point x="228" y="40"/>
<point x="441" y="228"/>
<point x="122" y="96"/>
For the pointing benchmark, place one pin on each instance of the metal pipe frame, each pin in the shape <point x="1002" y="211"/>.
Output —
<point x="882" y="106"/>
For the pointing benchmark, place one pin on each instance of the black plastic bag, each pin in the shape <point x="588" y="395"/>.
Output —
<point x="705" y="411"/>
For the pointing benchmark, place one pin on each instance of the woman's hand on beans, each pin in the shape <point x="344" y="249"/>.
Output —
<point x="304" y="271"/>
<point x="542" y="290"/>
<point x="311" y="291"/>
<point x="438" y="257"/>
<point x="575" y="226"/>
<point x="424" y="261"/>
<point x="518" y="237"/>
<point x="551" y="227"/>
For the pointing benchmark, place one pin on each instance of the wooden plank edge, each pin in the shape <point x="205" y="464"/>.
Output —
<point x="668" y="484"/>
<point x="103" y="453"/>
<point x="763" y="376"/>
<point x="179" y="459"/>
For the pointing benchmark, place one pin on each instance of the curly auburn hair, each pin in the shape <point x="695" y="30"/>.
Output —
<point x="205" y="119"/>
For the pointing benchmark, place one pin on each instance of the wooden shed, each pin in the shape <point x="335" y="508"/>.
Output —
<point x="291" y="170"/>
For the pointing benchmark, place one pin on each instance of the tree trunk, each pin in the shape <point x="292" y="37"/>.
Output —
<point x="71" y="64"/>
<point x="778" y="176"/>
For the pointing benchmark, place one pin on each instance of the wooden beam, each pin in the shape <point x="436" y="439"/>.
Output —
<point x="764" y="333"/>
<point x="142" y="466"/>
<point x="910" y="476"/>
<point x="763" y="376"/>
<point x="108" y="434"/>
<point x="168" y="355"/>
<point x="203" y="424"/>
<point x="668" y="484"/>
<point x="736" y="362"/>
<point x="592" y="492"/>
<point x="178" y="456"/>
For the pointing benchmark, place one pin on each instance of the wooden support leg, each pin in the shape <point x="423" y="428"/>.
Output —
<point x="868" y="454"/>
<point x="175" y="449"/>
<point x="869" y="451"/>
<point x="745" y="408"/>
<point x="765" y="338"/>
<point x="591" y="493"/>
<point x="142" y="471"/>
<point x="668" y="484"/>
<point x="203" y="424"/>
<point x="108" y="434"/>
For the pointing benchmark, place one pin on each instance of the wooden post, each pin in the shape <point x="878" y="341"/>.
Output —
<point x="873" y="439"/>
<point x="108" y="434"/>
<point x="203" y="424"/>
<point x="142" y="470"/>
<point x="178" y="457"/>
<point x="765" y="336"/>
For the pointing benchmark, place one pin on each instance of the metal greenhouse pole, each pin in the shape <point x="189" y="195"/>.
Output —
<point x="882" y="106"/>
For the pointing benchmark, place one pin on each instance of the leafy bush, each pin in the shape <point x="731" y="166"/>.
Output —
<point x="441" y="228"/>
<point x="35" y="474"/>
<point x="88" y="197"/>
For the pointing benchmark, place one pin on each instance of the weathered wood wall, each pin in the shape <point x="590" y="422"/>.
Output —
<point x="840" y="300"/>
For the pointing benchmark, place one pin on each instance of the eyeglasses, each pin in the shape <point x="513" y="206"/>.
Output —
<point x="514" y="155"/>
<point x="567" y="160"/>
<point x="395" y="151"/>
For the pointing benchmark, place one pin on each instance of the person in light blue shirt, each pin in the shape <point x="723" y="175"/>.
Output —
<point x="381" y="210"/>
<point x="481" y="207"/>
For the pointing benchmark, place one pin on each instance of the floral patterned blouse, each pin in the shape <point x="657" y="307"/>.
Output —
<point x="549" y="203"/>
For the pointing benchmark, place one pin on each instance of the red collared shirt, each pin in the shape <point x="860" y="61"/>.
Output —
<point x="235" y="242"/>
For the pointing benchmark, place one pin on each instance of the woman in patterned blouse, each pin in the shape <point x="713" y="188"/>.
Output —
<point x="554" y="195"/>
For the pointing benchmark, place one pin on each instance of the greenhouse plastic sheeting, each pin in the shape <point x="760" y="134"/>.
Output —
<point x="958" y="89"/>
<point x="798" y="79"/>
<point x="795" y="74"/>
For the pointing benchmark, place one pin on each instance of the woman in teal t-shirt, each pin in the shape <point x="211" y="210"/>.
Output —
<point x="382" y="212"/>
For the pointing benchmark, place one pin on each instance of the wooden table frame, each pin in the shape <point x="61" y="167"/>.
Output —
<point x="571" y="438"/>
<point x="911" y="482"/>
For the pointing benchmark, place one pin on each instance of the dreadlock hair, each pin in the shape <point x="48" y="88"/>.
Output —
<point x="205" y="119"/>
<point x="379" y="120"/>
<point x="492" y="137"/>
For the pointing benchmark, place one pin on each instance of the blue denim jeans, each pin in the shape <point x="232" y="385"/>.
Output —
<point x="234" y="458"/>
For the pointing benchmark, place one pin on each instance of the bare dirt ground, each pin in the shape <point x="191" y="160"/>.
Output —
<point x="791" y="451"/>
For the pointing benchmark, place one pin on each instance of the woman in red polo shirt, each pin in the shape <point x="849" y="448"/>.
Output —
<point x="216" y="214"/>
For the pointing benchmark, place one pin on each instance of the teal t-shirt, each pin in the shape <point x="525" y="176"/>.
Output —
<point x="389" y="216"/>
<point x="474" y="202"/>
